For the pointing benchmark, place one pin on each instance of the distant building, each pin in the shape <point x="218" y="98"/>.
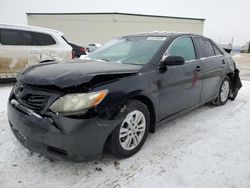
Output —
<point x="85" y="28"/>
<point x="246" y="48"/>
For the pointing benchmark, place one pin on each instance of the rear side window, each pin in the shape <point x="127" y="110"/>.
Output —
<point x="205" y="48"/>
<point x="10" y="37"/>
<point x="183" y="47"/>
<point x="42" y="39"/>
<point x="26" y="38"/>
<point x="217" y="51"/>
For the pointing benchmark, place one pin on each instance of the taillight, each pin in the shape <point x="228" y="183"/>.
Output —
<point x="73" y="54"/>
<point x="82" y="50"/>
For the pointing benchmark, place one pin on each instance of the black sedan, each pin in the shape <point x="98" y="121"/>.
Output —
<point x="118" y="95"/>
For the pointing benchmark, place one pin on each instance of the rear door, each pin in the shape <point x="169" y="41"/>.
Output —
<point x="52" y="48"/>
<point x="17" y="52"/>
<point x="213" y="65"/>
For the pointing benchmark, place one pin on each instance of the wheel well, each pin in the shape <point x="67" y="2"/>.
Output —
<point x="46" y="61"/>
<point x="150" y="106"/>
<point x="230" y="75"/>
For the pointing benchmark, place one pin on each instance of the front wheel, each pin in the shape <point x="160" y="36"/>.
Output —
<point x="223" y="92"/>
<point x="128" y="138"/>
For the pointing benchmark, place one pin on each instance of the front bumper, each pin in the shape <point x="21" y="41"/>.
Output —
<point x="58" y="136"/>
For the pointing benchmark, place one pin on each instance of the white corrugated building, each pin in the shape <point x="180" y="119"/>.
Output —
<point x="85" y="28"/>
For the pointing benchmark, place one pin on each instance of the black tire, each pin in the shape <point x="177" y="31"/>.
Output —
<point x="218" y="101"/>
<point x="115" y="145"/>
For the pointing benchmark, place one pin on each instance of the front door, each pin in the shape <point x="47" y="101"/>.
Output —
<point x="180" y="86"/>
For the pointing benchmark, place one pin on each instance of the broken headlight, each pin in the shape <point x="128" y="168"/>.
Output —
<point x="78" y="103"/>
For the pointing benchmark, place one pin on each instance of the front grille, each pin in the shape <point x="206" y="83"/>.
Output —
<point x="31" y="98"/>
<point x="34" y="102"/>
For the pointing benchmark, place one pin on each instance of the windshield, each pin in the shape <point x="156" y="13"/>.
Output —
<point x="128" y="50"/>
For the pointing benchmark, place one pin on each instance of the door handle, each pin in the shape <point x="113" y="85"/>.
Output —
<point x="223" y="61"/>
<point x="198" y="69"/>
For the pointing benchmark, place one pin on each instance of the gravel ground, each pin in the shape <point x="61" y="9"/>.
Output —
<point x="208" y="147"/>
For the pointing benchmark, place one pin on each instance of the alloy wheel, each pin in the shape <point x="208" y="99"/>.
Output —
<point x="132" y="130"/>
<point x="224" y="91"/>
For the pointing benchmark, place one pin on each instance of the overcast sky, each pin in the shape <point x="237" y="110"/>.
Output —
<point x="224" y="18"/>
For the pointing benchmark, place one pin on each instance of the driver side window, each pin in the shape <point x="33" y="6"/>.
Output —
<point x="182" y="47"/>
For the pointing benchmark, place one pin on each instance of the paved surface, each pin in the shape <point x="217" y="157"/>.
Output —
<point x="243" y="63"/>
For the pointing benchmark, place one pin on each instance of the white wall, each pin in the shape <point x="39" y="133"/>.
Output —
<point x="83" y="29"/>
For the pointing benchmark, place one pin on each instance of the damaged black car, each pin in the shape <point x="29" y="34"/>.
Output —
<point x="117" y="95"/>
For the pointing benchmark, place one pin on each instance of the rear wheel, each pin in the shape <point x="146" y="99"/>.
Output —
<point x="223" y="92"/>
<point x="128" y="138"/>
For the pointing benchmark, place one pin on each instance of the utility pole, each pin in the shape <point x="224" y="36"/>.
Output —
<point x="232" y="41"/>
<point x="248" y="50"/>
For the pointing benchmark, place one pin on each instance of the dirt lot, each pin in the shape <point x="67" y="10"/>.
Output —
<point x="209" y="147"/>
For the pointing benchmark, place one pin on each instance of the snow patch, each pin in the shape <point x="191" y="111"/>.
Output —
<point x="208" y="147"/>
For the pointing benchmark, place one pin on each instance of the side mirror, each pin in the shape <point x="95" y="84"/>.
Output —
<point x="172" y="61"/>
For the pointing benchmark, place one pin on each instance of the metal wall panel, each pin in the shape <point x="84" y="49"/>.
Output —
<point x="83" y="29"/>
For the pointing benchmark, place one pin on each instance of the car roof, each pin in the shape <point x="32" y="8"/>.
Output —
<point x="30" y="28"/>
<point x="162" y="34"/>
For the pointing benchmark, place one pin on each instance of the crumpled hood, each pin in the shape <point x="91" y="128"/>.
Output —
<point x="72" y="73"/>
